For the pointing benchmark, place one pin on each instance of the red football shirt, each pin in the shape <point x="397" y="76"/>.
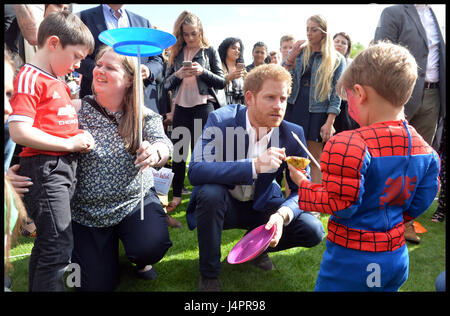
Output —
<point x="44" y="100"/>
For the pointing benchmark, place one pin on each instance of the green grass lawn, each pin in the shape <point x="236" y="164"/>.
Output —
<point x="296" y="269"/>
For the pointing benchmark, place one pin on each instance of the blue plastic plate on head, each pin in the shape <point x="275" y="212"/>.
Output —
<point x="134" y="41"/>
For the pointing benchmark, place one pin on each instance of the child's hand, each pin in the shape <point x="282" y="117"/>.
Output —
<point x="297" y="175"/>
<point x="83" y="142"/>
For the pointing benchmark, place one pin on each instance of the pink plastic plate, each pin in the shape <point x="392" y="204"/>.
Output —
<point x="251" y="245"/>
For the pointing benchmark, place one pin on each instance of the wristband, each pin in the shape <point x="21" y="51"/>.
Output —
<point x="159" y="156"/>
<point x="279" y="213"/>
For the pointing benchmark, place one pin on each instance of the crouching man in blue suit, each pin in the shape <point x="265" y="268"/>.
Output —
<point x="234" y="168"/>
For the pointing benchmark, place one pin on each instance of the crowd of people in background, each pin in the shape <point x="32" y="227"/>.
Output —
<point x="92" y="165"/>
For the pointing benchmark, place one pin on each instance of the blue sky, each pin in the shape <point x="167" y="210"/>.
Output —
<point x="267" y="23"/>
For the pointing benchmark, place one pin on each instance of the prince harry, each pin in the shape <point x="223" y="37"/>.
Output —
<point x="234" y="168"/>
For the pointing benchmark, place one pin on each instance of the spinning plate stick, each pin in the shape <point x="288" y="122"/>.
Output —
<point x="306" y="149"/>
<point x="139" y="42"/>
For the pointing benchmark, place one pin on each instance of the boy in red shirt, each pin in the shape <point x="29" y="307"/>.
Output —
<point x="45" y="122"/>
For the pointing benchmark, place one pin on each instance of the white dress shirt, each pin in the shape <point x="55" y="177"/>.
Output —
<point x="431" y="29"/>
<point x="256" y="147"/>
<point x="112" y="21"/>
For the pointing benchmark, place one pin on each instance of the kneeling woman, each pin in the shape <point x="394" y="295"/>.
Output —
<point x="106" y="203"/>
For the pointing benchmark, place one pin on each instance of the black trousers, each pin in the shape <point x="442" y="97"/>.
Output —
<point x="48" y="204"/>
<point x="96" y="249"/>
<point x="187" y="118"/>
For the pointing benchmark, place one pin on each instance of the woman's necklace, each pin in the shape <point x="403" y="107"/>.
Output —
<point x="110" y="117"/>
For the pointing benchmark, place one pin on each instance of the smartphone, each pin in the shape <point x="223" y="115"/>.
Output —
<point x="240" y="65"/>
<point x="187" y="63"/>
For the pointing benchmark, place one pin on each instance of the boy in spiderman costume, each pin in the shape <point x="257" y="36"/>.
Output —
<point x="375" y="178"/>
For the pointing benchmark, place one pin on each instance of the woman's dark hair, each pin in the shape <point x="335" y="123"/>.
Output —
<point x="349" y="42"/>
<point x="226" y="43"/>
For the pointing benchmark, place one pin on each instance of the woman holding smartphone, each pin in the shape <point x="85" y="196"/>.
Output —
<point x="194" y="73"/>
<point x="231" y="52"/>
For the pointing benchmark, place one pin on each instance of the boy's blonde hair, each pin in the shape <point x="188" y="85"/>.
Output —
<point x="69" y="29"/>
<point x="388" y="68"/>
<point x="255" y="78"/>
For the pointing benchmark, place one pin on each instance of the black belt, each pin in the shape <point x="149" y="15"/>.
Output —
<point x="431" y="85"/>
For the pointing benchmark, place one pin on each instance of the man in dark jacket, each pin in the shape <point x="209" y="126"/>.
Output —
<point x="415" y="26"/>
<point x="109" y="16"/>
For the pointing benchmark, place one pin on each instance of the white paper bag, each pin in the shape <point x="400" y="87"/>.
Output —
<point x="162" y="179"/>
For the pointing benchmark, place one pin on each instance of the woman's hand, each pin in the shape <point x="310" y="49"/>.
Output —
<point x="169" y="119"/>
<point x="184" y="72"/>
<point x="295" y="51"/>
<point x="235" y="74"/>
<point x="327" y="130"/>
<point x="19" y="183"/>
<point x="197" y="69"/>
<point x="296" y="175"/>
<point x="145" y="71"/>
<point x="146" y="156"/>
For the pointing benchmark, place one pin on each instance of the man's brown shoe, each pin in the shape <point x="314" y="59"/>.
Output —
<point x="263" y="262"/>
<point x="410" y="233"/>
<point x="208" y="284"/>
<point x="172" y="222"/>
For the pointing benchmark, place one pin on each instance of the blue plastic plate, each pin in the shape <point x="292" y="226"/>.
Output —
<point x="134" y="41"/>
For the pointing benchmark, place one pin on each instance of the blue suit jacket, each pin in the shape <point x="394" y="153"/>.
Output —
<point x="95" y="20"/>
<point x="214" y="162"/>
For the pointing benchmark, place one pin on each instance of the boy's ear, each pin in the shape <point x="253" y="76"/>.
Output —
<point x="360" y="93"/>
<point x="53" y="42"/>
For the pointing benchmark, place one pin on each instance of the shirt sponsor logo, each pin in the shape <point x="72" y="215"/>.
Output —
<point x="56" y="95"/>
<point x="69" y="111"/>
